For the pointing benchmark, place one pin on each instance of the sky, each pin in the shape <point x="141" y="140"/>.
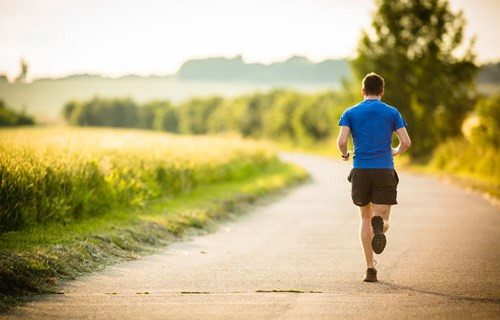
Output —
<point x="117" y="37"/>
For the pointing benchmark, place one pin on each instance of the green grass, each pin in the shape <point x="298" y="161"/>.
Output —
<point x="34" y="260"/>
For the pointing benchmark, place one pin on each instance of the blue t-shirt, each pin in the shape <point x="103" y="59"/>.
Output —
<point x="372" y="123"/>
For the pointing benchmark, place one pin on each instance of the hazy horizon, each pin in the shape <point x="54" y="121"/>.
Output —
<point x="146" y="75"/>
<point x="116" y="38"/>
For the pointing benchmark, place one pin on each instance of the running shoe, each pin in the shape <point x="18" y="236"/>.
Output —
<point x="378" y="241"/>
<point x="371" y="275"/>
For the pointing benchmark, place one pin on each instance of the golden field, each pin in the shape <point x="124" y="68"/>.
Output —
<point x="66" y="174"/>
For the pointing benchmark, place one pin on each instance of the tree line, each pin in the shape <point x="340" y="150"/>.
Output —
<point x="283" y="115"/>
<point x="279" y="115"/>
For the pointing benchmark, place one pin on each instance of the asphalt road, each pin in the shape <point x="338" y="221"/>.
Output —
<point x="442" y="261"/>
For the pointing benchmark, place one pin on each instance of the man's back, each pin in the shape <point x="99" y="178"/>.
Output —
<point x="372" y="124"/>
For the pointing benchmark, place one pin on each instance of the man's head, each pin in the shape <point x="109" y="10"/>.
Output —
<point x="373" y="85"/>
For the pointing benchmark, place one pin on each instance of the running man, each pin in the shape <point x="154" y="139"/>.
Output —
<point x="373" y="178"/>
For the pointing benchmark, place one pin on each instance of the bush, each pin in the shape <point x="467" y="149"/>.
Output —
<point x="10" y="118"/>
<point x="463" y="157"/>
<point x="98" y="112"/>
<point x="488" y="131"/>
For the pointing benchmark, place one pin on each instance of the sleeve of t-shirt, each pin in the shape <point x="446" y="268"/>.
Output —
<point x="399" y="122"/>
<point x="345" y="120"/>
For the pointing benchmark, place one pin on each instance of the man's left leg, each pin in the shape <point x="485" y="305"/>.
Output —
<point x="380" y="225"/>
<point x="365" y="233"/>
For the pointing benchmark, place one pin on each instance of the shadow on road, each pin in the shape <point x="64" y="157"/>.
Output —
<point x="440" y="294"/>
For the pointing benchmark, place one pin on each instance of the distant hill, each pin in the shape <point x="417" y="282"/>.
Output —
<point x="489" y="73"/>
<point x="294" y="70"/>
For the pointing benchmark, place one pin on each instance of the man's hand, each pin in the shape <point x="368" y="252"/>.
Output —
<point x="346" y="157"/>
<point x="404" y="142"/>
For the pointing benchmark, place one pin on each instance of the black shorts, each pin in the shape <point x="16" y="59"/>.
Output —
<point x="373" y="185"/>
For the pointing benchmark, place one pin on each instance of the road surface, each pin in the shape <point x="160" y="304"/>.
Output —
<point x="442" y="261"/>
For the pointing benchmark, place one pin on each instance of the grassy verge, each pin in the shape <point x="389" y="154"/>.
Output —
<point x="459" y="177"/>
<point x="34" y="260"/>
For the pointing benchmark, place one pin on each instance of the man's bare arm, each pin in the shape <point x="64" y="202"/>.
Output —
<point x="404" y="141"/>
<point x="342" y="142"/>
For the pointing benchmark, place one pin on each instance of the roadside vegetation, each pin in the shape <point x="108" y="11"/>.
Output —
<point x="474" y="157"/>
<point x="75" y="200"/>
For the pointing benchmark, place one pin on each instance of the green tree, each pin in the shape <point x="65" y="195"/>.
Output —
<point x="147" y="114"/>
<point x="413" y="46"/>
<point x="124" y="113"/>
<point x="276" y="122"/>
<point x="316" y="117"/>
<point x="251" y="121"/>
<point x="69" y="108"/>
<point x="81" y="115"/>
<point x="227" y="116"/>
<point x="100" y="112"/>
<point x="194" y="115"/>
<point x="166" y="118"/>
<point x="10" y="117"/>
<point x="7" y="117"/>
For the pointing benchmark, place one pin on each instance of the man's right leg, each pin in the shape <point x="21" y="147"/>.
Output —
<point x="383" y="195"/>
<point x="383" y="210"/>
<point x="380" y="224"/>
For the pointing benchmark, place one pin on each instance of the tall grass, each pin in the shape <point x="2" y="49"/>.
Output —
<point x="465" y="158"/>
<point x="62" y="175"/>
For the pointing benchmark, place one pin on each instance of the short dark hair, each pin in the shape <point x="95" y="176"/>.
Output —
<point x="373" y="84"/>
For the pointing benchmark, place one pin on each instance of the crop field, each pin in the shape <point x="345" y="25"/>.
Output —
<point x="64" y="175"/>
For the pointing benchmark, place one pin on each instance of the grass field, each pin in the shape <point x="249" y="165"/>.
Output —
<point x="61" y="175"/>
<point x="75" y="200"/>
